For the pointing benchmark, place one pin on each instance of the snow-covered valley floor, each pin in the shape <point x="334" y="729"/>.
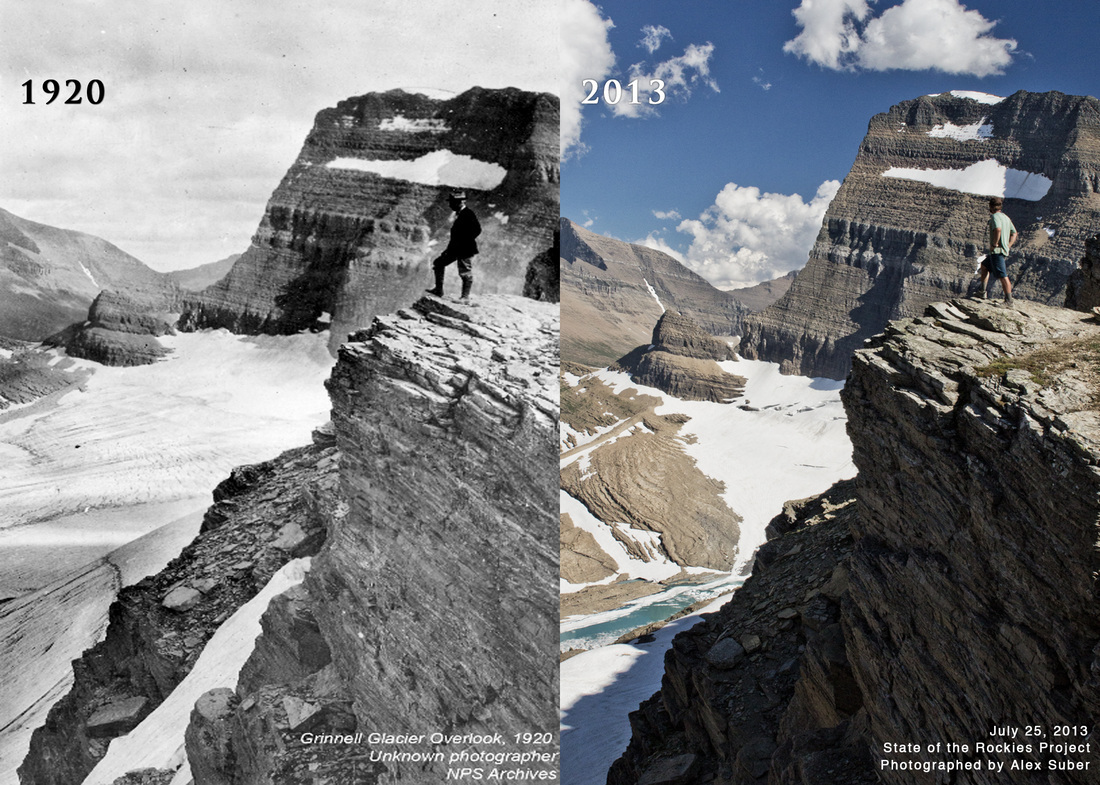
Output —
<point x="107" y="483"/>
<point x="784" y="439"/>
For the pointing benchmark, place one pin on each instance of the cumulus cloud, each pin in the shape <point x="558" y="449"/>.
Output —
<point x="669" y="215"/>
<point x="585" y="54"/>
<point x="747" y="237"/>
<point x="659" y="244"/>
<point x="653" y="37"/>
<point x="916" y="35"/>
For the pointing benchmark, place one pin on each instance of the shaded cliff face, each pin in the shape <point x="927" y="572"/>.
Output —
<point x="614" y="292"/>
<point x="49" y="276"/>
<point x="683" y="361"/>
<point x="337" y="239"/>
<point x="892" y="243"/>
<point x="951" y="591"/>
<point x="449" y="542"/>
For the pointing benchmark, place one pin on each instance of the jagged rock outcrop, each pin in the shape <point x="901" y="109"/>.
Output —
<point x="122" y="328"/>
<point x="955" y="594"/>
<point x="49" y="276"/>
<point x="1083" y="288"/>
<point x="462" y="428"/>
<point x="613" y="292"/>
<point x="151" y="646"/>
<point x="431" y="606"/>
<point x="339" y="240"/>
<point x="890" y="245"/>
<point x="683" y="361"/>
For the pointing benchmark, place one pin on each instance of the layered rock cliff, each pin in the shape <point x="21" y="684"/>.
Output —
<point x="948" y="594"/>
<point x="613" y="293"/>
<point x="683" y="361"/>
<point x="909" y="223"/>
<point x="351" y="230"/>
<point x="429" y="609"/>
<point x="122" y="329"/>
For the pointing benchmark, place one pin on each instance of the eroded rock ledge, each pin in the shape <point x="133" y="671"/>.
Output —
<point x="953" y="592"/>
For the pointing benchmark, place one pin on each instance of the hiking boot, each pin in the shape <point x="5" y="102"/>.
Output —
<point x="1008" y="299"/>
<point x="438" y="290"/>
<point x="467" y="284"/>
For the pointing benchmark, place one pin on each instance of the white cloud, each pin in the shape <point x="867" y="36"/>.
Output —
<point x="747" y="237"/>
<point x="916" y="35"/>
<point x="659" y="244"/>
<point x="761" y="83"/>
<point x="653" y="37"/>
<point x="828" y="30"/>
<point x="670" y="215"/>
<point x="585" y="54"/>
<point x="680" y="76"/>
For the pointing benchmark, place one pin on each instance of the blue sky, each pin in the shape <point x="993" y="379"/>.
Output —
<point x="712" y="175"/>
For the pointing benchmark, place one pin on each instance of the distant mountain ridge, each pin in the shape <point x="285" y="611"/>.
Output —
<point x="49" y="276"/>
<point x="195" y="279"/>
<point x="614" y="292"/>
<point x="892" y="241"/>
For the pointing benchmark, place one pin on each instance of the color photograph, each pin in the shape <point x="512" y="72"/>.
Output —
<point x="828" y="418"/>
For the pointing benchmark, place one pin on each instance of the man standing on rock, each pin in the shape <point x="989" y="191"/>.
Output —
<point x="462" y="247"/>
<point x="1002" y="236"/>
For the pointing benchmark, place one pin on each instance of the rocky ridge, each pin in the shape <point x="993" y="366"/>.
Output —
<point x="683" y="361"/>
<point x="948" y="589"/>
<point x="432" y="490"/>
<point x="889" y="246"/>
<point x="263" y="516"/>
<point x="341" y="241"/>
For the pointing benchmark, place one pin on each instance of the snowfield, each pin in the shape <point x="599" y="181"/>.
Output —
<point x="136" y="448"/>
<point x="784" y="439"/>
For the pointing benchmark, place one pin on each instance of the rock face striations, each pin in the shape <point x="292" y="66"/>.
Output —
<point x="429" y="609"/>
<point x="123" y="329"/>
<point x="613" y="293"/>
<point x="950" y="591"/>
<point x="683" y="361"/>
<point x="351" y="230"/>
<point x="909" y="224"/>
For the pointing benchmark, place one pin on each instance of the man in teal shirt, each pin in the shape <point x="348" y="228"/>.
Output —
<point x="1002" y="236"/>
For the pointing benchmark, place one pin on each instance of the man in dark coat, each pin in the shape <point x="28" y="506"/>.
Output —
<point x="462" y="247"/>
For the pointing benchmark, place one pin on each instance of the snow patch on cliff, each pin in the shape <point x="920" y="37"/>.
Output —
<point x="440" y="167"/>
<point x="964" y="133"/>
<point x="158" y="741"/>
<point x="986" y="178"/>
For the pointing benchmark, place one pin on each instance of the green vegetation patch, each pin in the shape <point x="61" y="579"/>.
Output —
<point x="1048" y="363"/>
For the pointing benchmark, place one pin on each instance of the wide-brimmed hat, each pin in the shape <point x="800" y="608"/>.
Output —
<point x="456" y="196"/>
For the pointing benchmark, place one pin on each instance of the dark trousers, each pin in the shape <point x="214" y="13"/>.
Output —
<point x="465" y="266"/>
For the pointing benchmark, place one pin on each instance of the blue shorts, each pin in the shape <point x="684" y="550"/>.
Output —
<point x="996" y="264"/>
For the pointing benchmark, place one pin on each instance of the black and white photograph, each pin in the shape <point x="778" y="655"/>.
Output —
<point x="279" y="334"/>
